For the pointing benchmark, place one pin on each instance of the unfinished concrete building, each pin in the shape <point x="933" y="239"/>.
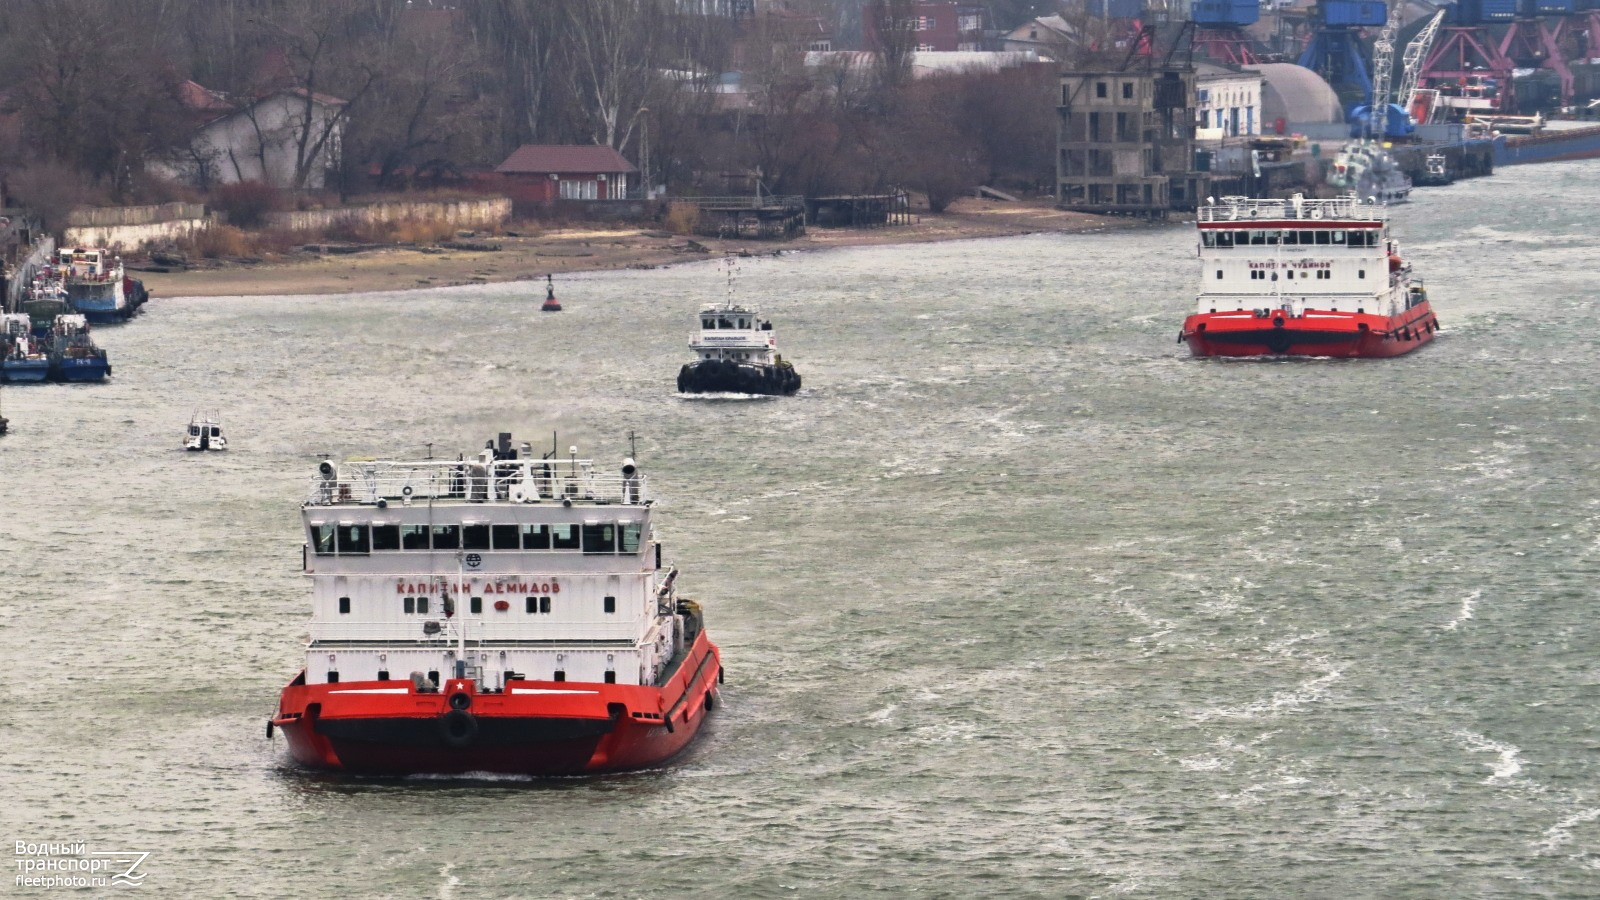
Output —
<point x="1126" y="142"/>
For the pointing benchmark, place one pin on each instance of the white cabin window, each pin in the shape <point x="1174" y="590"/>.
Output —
<point x="1361" y="273"/>
<point x="476" y="605"/>
<point x="610" y="604"/>
<point x="475" y="537"/>
<point x="506" y="537"/>
<point x="353" y="539"/>
<point x="1219" y="274"/>
<point x="386" y="537"/>
<point x="564" y="537"/>
<point x="536" y="537"/>
<point x="413" y="537"/>
<point x="322" y="538"/>
<point x="447" y="537"/>
<point x="344" y="606"/>
<point x="600" y="538"/>
<point x="631" y="532"/>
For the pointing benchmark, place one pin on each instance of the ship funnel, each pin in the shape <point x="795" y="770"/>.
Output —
<point x="629" y="467"/>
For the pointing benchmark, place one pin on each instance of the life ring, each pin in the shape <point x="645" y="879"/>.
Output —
<point x="458" y="729"/>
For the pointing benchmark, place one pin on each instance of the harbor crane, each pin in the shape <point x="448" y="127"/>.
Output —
<point x="1411" y="69"/>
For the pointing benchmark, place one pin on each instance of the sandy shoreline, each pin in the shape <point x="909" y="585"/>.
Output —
<point x="529" y="258"/>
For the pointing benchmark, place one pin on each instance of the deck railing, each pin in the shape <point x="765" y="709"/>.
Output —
<point x="473" y="481"/>
<point x="1243" y="209"/>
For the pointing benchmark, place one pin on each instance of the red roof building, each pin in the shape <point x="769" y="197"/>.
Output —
<point x="541" y="173"/>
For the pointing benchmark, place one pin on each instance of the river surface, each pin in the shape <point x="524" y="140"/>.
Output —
<point x="1015" y="598"/>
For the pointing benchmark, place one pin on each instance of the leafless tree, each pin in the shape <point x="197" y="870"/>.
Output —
<point x="323" y="51"/>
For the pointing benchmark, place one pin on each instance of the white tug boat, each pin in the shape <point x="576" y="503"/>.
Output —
<point x="735" y="353"/>
<point x="205" y="432"/>
<point x="505" y="613"/>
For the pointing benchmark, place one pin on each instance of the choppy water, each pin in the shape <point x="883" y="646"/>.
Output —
<point x="1016" y="598"/>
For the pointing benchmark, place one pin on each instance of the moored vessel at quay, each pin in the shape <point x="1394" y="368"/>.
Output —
<point x="1304" y="277"/>
<point x="24" y="356"/>
<point x="506" y="613"/>
<point x="74" y="356"/>
<point x="96" y="285"/>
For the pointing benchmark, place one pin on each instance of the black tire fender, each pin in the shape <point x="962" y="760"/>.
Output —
<point x="458" y="729"/>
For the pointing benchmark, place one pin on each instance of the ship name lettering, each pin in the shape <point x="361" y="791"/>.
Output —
<point x="490" y="587"/>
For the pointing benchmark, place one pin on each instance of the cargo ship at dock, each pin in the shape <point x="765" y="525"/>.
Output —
<point x="503" y="613"/>
<point x="1304" y="277"/>
<point x="1549" y="143"/>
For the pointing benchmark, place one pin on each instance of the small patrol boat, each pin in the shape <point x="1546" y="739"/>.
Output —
<point x="551" y="304"/>
<point x="505" y="613"/>
<point x="736" y="353"/>
<point x="205" y="432"/>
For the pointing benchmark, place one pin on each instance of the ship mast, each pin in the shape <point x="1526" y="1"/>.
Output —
<point x="731" y="267"/>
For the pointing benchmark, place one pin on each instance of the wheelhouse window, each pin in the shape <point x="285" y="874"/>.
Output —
<point x="564" y="537"/>
<point x="600" y="537"/>
<point x="1208" y="238"/>
<point x="447" y="537"/>
<point x="386" y="537"/>
<point x="413" y="537"/>
<point x="475" y="537"/>
<point x="631" y="533"/>
<point x="1225" y="239"/>
<point x="506" y="537"/>
<point x="536" y="537"/>
<point x="353" y="539"/>
<point x="322" y="538"/>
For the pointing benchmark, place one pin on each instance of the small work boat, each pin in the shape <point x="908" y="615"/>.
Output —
<point x="736" y="353"/>
<point x="205" y="432"/>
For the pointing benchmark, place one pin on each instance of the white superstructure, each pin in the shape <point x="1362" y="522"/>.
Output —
<point x="504" y="565"/>
<point x="1298" y="255"/>
<point x="734" y="332"/>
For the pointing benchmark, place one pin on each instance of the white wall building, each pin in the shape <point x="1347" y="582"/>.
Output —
<point x="260" y="140"/>
<point x="1227" y="102"/>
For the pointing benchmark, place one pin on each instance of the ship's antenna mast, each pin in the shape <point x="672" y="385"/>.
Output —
<point x="633" y="448"/>
<point x="729" y="264"/>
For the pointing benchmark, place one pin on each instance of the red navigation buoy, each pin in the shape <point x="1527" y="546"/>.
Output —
<point x="551" y="304"/>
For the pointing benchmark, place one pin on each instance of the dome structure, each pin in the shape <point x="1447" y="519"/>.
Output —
<point x="1296" y="95"/>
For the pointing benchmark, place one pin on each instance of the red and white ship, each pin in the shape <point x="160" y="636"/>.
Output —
<point x="505" y="613"/>
<point x="1304" y="277"/>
